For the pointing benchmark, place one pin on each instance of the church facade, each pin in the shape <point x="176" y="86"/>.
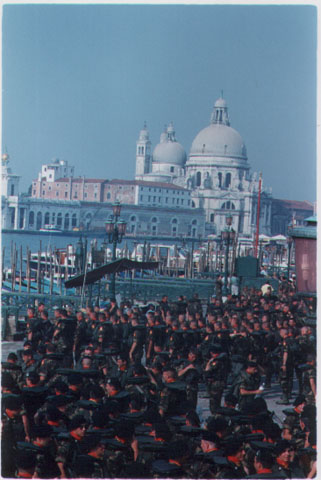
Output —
<point x="216" y="171"/>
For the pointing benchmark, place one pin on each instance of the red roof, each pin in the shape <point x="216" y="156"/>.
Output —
<point x="81" y="180"/>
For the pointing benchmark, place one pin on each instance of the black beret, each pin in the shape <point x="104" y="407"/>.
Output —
<point x="210" y="436"/>
<point x="281" y="446"/>
<point x="76" y="422"/>
<point x="12" y="402"/>
<point x="299" y="400"/>
<point x="42" y="431"/>
<point x="25" y="459"/>
<point x="124" y="430"/>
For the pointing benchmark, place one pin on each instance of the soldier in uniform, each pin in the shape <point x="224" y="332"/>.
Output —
<point x="69" y="446"/>
<point x="249" y="384"/>
<point x="44" y="449"/>
<point x="309" y="380"/>
<point x="191" y="375"/>
<point x="93" y="462"/>
<point x="287" y="365"/>
<point x="234" y="454"/>
<point x="215" y="374"/>
<point x="138" y="339"/>
<point x="171" y="396"/>
<point x="12" y="432"/>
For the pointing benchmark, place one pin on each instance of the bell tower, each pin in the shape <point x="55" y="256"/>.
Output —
<point x="143" y="153"/>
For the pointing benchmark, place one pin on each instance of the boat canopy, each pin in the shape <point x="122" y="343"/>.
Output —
<point x="120" y="265"/>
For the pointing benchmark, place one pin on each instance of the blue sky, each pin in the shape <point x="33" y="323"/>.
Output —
<point x="80" y="80"/>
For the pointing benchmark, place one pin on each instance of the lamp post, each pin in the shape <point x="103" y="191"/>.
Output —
<point x="290" y="241"/>
<point x="115" y="230"/>
<point x="228" y="236"/>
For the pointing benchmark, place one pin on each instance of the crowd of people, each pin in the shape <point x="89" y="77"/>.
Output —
<point x="114" y="392"/>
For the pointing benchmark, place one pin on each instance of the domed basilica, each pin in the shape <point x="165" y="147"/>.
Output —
<point x="216" y="172"/>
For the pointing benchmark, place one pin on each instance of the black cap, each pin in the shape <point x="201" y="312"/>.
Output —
<point x="265" y="456"/>
<point x="233" y="445"/>
<point x="91" y="441"/>
<point x="33" y="377"/>
<point x="215" y="348"/>
<point x="124" y="430"/>
<point x="178" y="449"/>
<point x="299" y="400"/>
<point x="76" y="422"/>
<point x="12" y="402"/>
<point x="42" y="431"/>
<point x="250" y="363"/>
<point x="210" y="436"/>
<point x="25" y="460"/>
<point x="218" y="424"/>
<point x="59" y="400"/>
<point x="114" y="382"/>
<point x="282" y="446"/>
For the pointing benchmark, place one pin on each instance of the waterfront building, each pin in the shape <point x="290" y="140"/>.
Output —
<point x="9" y="195"/>
<point x="172" y="194"/>
<point x="216" y="172"/>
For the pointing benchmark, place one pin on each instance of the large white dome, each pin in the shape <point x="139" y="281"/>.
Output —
<point x="218" y="140"/>
<point x="169" y="152"/>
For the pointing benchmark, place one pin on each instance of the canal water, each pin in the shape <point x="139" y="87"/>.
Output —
<point x="47" y="241"/>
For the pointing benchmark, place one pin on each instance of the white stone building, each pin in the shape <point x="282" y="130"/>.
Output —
<point x="216" y="171"/>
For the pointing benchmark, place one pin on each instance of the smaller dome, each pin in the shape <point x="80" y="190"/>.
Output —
<point x="220" y="103"/>
<point x="169" y="152"/>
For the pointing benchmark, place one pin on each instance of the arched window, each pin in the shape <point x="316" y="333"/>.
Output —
<point x="198" y="179"/>
<point x="227" y="180"/>
<point x="59" y="219"/>
<point x="220" y="180"/>
<point x="154" y="220"/>
<point x="133" y="218"/>
<point x="39" y="221"/>
<point x="47" y="218"/>
<point x="66" y="222"/>
<point x="193" y="232"/>
<point x="31" y="219"/>
<point x="194" y="222"/>
<point x="74" y="220"/>
<point x="174" y="220"/>
<point x="193" y="204"/>
<point x="228" y="206"/>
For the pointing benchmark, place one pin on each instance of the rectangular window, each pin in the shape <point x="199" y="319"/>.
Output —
<point x="34" y="192"/>
<point x="149" y="198"/>
<point x="49" y="188"/>
<point x="159" y="199"/>
<point x="166" y="200"/>
<point x="95" y="195"/>
<point x="85" y="195"/>
<point x="141" y="198"/>
<point x="66" y="194"/>
<point x="177" y="201"/>
<point x="173" y="200"/>
<point x="57" y="194"/>
<point x="43" y="192"/>
<point x="182" y="201"/>
<point x="154" y="199"/>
